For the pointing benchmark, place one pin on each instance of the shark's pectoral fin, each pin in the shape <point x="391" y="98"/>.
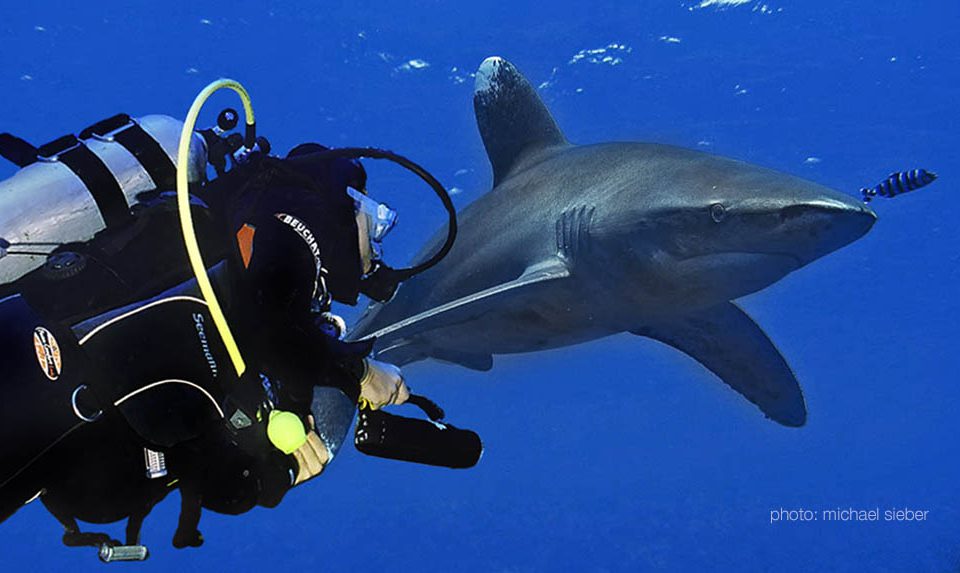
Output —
<point x="406" y="346"/>
<point x="477" y="304"/>
<point x="731" y="345"/>
<point x="513" y="122"/>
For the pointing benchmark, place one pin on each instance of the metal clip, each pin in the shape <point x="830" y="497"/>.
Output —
<point x="51" y="152"/>
<point x="108" y="137"/>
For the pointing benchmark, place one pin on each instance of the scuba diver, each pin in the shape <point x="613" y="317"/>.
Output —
<point x="298" y="249"/>
<point x="119" y="382"/>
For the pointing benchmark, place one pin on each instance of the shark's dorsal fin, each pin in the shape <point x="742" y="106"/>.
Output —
<point x="513" y="121"/>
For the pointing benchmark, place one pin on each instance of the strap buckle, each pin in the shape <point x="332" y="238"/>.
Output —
<point x="51" y="152"/>
<point x="107" y="129"/>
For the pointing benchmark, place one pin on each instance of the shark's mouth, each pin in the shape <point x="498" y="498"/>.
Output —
<point x="790" y="258"/>
<point x="736" y="273"/>
<point x="745" y="257"/>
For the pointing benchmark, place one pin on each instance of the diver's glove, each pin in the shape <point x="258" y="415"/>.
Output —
<point x="311" y="458"/>
<point x="382" y="385"/>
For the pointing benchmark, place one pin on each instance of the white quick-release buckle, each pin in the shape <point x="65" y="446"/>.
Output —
<point x="156" y="463"/>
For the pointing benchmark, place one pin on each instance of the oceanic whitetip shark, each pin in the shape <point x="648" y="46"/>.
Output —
<point x="578" y="242"/>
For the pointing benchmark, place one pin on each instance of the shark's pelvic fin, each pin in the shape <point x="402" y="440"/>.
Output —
<point x="731" y="345"/>
<point x="401" y="352"/>
<point x="514" y="123"/>
<point x="476" y="304"/>
<point x="480" y="362"/>
<point x="407" y="351"/>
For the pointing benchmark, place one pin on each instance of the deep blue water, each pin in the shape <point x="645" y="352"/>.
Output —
<point x="621" y="454"/>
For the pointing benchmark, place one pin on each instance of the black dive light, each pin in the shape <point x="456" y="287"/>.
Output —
<point x="429" y="442"/>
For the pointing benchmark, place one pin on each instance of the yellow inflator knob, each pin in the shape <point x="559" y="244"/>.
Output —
<point x="286" y="431"/>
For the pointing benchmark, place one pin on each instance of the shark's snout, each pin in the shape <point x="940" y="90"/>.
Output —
<point x="817" y="228"/>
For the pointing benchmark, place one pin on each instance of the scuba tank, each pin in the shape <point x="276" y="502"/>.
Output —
<point x="70" y="189"/>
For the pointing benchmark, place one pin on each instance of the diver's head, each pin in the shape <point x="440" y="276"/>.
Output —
<point x="351" y="245"/>
<point x="374" y="220"/>
<point x="332" y="216"/>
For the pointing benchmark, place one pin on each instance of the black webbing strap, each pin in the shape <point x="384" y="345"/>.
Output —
<point x="100" y="182"/>
<point x="428" y="406"/>
<point x="141" y="145"/>
<point x="150" y="154"/>
<point x="16" y="150"/>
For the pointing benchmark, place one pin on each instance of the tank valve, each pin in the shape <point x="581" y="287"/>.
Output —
<point x="243" y="154"/>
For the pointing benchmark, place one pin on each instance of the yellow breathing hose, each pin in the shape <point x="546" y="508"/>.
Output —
<point x="284" y="429"/>
<point x="186" y="217"/>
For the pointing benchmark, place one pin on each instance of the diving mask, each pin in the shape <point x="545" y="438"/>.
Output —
<point x="381" y="219"/>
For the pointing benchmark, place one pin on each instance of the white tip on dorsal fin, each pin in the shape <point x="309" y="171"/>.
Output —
<point x="513" y="121"/>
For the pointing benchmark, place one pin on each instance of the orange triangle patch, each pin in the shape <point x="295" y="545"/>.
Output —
<point x="245" y="242"/>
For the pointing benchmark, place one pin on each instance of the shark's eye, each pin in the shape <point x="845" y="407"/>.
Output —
<point x="717" y="212"/>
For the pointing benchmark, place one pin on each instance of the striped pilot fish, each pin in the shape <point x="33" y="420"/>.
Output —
<point x="899" y="183"/>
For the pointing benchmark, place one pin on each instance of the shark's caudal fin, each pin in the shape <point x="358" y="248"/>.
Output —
<point x="513" y="121"/>
<point x="731" y="345"/>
